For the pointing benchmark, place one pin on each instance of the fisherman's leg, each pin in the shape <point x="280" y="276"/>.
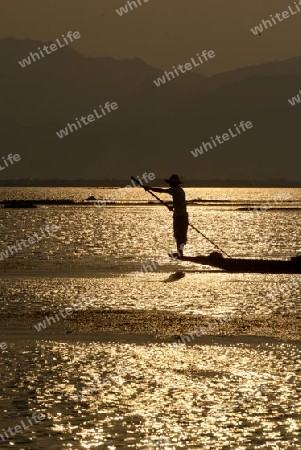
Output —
<point x="180" y="248"/>
<point x="176" y="232"/>
<point x="183" y="234"/>
<point x="180" y="232"/>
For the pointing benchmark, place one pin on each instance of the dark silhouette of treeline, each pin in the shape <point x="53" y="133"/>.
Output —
<point x="159" y="182"/>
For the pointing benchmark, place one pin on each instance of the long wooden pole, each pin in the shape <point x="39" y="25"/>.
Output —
<point x="190" y="224"/>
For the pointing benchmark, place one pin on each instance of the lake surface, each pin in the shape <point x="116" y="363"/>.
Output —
<point x="222" y="395"/>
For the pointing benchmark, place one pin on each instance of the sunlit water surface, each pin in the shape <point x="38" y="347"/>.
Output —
<point x="119" y="395"/>
<point x="210" y="396"/>
<point x="100" y="251"/>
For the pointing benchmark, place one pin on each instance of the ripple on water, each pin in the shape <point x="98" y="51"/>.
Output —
<point x="204" y="292"/>
<point x="121" y="395"/>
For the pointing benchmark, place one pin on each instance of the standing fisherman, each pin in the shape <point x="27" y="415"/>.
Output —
<point x="180" y="215"/>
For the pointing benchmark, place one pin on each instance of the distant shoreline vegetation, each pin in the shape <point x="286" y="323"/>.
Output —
<point x="110" y="183"/>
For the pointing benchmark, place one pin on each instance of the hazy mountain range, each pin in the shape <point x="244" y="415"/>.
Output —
<point x="154" y="129"/>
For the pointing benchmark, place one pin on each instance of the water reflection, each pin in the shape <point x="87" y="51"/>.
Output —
<point x="156" y="396"/>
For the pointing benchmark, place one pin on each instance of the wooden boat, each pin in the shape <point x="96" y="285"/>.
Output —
<point x="215" y="259"/>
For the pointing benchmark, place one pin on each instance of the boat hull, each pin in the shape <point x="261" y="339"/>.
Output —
<point x="236" y="265"/>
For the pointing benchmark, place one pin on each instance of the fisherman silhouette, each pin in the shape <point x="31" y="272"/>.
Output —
<point x="180" y="215"/>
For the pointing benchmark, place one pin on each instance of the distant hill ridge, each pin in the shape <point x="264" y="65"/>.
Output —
<point x="153" y="129"/>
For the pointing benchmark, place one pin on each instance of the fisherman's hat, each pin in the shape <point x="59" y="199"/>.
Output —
<point x="173" y="179"/>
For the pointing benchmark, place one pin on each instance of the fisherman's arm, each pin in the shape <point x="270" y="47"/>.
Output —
<point x="164" y="191"/>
